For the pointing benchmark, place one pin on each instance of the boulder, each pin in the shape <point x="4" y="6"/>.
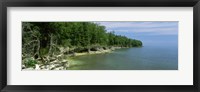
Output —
<point x="37" y="67"/>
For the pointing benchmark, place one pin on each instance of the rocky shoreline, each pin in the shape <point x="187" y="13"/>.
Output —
<point x="51" y="64"/>
<point x="60" y="62"/>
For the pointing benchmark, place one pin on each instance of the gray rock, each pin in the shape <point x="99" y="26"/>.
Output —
<point x="30" y="68"/>
<point x="52" y="66"/>
<point x="23" y="66"/>
<point x="37" y="67"/>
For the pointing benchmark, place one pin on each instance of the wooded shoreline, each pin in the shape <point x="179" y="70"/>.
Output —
<point x="61" y="61"/>
<point x="46" y="45"/>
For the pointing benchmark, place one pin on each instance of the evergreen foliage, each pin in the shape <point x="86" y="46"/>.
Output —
<point x="40" y="38"/>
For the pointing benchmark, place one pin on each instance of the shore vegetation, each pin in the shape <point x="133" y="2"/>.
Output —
<point x="46" y="45"/>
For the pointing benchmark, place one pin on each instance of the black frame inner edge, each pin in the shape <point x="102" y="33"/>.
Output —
<point x="195" y="4"/>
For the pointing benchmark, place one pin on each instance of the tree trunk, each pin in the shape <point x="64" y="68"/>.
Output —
<point x="37" y="54"/>
<point x="51" y="43"/>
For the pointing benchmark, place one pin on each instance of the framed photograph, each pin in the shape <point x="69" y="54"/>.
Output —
<point x="128" y="45"/>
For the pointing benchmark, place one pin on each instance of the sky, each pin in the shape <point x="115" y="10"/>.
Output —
<point x="150" y="33"/>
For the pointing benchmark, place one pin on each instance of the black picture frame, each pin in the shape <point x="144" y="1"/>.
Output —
<point x="98" y="3"/>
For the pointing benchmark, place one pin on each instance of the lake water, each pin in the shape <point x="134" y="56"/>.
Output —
<point x="142" y="58"/>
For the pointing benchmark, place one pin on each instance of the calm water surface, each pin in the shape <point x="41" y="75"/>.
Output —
<point x="143" y="58"/>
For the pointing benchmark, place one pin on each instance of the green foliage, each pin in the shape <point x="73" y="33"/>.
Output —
<point x="44" y="37"/>
<point x="30" y="62"/>
<point x="66" y="43"/>
<point x="44" y="51"/>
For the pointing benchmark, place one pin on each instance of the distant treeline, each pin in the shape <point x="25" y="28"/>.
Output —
<point x="44" y="37"/>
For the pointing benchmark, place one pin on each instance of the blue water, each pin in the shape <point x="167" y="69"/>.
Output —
<point x="142" y="58"/>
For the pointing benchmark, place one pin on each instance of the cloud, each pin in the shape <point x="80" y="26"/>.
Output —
<point x="154" y="28"/>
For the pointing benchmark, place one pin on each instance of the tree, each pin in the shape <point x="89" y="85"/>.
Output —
<point x="45" y="38"/>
